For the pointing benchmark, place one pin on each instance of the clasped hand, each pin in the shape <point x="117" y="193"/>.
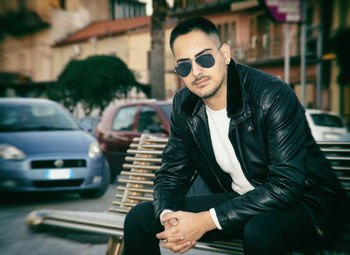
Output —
<point x="183" y="229"/>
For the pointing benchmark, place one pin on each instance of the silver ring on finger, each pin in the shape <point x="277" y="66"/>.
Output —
<point x="164" y="240"/>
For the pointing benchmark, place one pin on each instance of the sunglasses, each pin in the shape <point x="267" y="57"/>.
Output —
<point x="206" y="60"/>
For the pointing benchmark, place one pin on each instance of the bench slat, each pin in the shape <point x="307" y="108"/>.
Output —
<point x="134" y="166"/>
<point x="118" y="210"/>
<point x="140" y="198"/>
<point x="136" y="182"/>
<point x="151" y="160"/>
<point x="124" y="203"/>
<point x="148" y="146"/>
<point x="338" y="158"/>
<point x="136" y="189"/>
<point x="126" y="173"/>
<point x="150" y="152"/>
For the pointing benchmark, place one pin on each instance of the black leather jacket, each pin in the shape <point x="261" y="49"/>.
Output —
<point x="273" y="144"/>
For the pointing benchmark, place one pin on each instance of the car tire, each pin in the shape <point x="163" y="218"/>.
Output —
<point x="96" y="193"/>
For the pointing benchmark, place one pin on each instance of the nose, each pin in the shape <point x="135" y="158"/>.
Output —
<point x="196" y="69"/>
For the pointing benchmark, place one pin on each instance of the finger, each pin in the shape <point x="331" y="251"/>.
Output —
<point x="193" y="243"/>
<point x="170" y="215"/>
<point x="162" y="235"/>
<point x="172" y="241"/>
<point x="175" y="239"/>
<point x="167" y="225"/>
<point x="173" y="221"/>
<point x="181" y="247"/>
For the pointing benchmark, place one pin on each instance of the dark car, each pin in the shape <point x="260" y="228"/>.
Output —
<point x="42" y="148"/>
<point x="121" y="124"/>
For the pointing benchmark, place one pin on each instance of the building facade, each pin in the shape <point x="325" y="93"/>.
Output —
<point x="256" y="40"/>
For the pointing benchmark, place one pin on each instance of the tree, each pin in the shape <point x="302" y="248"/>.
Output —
<point x="157" y="48"/>
<point x="20" y="22"/>
<point x="94" y="82"/>
<point x="340" y="45"/>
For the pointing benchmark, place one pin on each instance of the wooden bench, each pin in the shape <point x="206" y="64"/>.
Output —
<point x="136" y="185"/>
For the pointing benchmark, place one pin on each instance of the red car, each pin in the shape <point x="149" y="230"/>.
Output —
<point x="121" y="124"/>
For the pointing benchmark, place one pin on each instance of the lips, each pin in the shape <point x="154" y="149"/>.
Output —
<point x="201" y="82"/>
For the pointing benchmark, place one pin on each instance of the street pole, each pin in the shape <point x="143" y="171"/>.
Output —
<point x="286" y="53"/>
<point x="319" y="66"/>
<point x="303" y="57"/>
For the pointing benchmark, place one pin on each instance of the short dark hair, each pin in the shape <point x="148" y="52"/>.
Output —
<point x="188" y="25"/>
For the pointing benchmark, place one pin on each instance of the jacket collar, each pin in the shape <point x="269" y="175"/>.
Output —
<point x="236" y="103"/>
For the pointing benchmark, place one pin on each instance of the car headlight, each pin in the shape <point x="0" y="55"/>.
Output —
<point x="94" y="150"/>
<point x="11" y="152"/>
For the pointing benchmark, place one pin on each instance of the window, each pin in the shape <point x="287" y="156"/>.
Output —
<point x="36" y="117"/>
<point x="63" y="4"/>
<point x="124" y="119"/>
<point x="327" y="120"/>
<point x="149" y="120"/>
<point x="166" y="109"/>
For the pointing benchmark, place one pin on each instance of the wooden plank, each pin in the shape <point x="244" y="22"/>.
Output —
<point x="148" y="160"/>
<point x="136" y="181"/>
<point x="135" y="166"/>
<point x="138" y="174"/>
<point x="143" y="190"/>
<point x="147" y="152"/>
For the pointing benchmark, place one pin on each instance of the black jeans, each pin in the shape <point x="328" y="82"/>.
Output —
<point x="266" y="233"/>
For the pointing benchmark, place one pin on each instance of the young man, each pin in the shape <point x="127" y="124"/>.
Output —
<point x="245" y="134"/>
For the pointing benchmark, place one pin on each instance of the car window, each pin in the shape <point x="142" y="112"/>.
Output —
<point x="327" y="120"/>
<point x="36" y="117"/>
<point x="148" y="119"/>
<point x="124" y="118"/>
<point x="166" y="109"/>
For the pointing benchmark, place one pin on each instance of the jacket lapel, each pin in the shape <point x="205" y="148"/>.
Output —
<point x="200" y="130"/>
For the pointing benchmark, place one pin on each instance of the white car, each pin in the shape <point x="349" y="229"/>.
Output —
<point x="324" y="125"/>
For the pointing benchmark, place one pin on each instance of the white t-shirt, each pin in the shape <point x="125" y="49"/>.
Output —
<point x="225" y="154"/>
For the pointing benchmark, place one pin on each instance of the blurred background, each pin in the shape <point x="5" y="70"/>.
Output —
<point x="41" y="38"/>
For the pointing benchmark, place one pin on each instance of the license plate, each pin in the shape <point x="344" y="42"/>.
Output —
<point x="62" y="173"/>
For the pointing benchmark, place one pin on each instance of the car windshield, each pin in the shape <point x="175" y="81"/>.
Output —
<point x="327" y="120"/>
<point x="166" y="109"/>
<point x="35" y="117"/>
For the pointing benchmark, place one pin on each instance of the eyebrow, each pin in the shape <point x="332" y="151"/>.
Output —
<point x="199" y="53"/>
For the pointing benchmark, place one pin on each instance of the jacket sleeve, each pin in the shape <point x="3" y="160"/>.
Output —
<point x="173" y="178"/>
<point x="285" y="130"/>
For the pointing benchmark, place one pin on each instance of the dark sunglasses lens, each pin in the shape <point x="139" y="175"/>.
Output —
<point x="206" y="60"/>
<point x="183" y="69"/>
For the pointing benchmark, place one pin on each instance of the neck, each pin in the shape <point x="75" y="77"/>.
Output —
<point x="218" y="101"/>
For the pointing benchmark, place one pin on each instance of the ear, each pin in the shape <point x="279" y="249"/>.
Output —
<point x="226" y="52"/>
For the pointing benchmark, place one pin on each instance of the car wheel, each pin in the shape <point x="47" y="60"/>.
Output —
<point x="96" y="193"/>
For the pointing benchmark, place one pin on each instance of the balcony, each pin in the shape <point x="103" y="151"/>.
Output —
<point x="263" y="50"/>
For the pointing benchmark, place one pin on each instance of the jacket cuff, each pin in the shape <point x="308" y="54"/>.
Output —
<point x="215" y="218"/>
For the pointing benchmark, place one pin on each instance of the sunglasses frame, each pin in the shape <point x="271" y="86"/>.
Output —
<point x="189" y="61"/>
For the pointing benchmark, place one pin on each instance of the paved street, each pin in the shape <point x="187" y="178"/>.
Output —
<point x="16" y="238"/>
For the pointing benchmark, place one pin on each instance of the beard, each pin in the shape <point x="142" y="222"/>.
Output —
<point x="208" y="92"/>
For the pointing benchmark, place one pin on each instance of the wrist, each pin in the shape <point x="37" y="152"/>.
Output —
<point x="208" y="221"/>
